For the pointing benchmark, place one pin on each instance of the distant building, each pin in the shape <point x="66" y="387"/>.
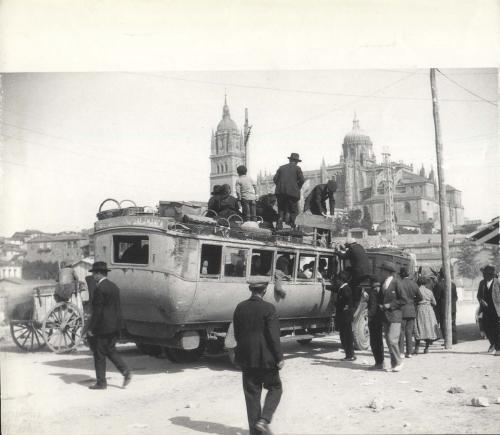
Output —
<point x="9" y="252"/>
<point x="67" y="248"/>
<point x="10" y="269"/>
<point x="228" y="149"/>
<point x="361" y="183"/>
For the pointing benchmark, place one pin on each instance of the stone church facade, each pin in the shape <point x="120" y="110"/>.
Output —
<point x="359" y="177"/>
<point x="361" y="181"/>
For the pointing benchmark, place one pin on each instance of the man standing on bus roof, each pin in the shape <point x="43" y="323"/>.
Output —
<point x="258" y="352"/>
<point x="289" y="180"/>
<point x="105" y="326"/>
<point x="316" y="200"/>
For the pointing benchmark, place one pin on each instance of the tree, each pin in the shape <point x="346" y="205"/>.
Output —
<point x="427" y="227"/>
<point x="367" y="222"/>
<point x="468" y="266"/>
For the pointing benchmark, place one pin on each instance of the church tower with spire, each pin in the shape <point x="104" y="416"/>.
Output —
<point x="228" y="150"/>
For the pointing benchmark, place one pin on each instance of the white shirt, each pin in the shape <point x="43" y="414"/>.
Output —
<point x="343" y="285"/>
<point x="488" y="284"/>
<point x="387" y="282"/>
<point x="101" y="280"/>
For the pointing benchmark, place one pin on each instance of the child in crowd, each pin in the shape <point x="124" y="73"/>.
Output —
<point x="245" y="191"/>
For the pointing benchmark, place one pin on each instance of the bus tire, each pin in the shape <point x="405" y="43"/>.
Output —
<point x="305" y="341"/>
<point x="360" y="331"/>
<point x="183" y="356"/>
<point x="150" y="349"/>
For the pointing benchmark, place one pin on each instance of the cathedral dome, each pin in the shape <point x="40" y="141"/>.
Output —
<point x="226" y="123"/>
<point x="357" y="136"/>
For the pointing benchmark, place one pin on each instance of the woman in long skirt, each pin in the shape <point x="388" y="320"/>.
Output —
<point x="426" y="324"/>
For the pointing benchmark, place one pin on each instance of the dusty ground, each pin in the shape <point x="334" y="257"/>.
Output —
<point x="45" y="393"/>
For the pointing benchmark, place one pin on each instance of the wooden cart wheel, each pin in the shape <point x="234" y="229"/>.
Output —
<point x="27" y="334"/>
<point x="62" y="327"/>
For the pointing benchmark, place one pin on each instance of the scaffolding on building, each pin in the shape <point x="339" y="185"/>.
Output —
<point x="390" y="218"/>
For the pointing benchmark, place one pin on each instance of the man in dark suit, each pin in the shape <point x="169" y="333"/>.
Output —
<point x="360" y="267"/>
<point x="488" y="295"/>
<point x="343" y="315"/>
<point x="376" y="324"/>
<point x="104" y="326"/>
<point x="288" y="180"/>
<point x="393" y="300"/>
<point x="258" y="352"/>
<point x="409" y="288"/>
<point x="440" y="310"/>
<point x="316" y="200"/>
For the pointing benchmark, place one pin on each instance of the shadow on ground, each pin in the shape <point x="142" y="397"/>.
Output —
<point x="207" y="426"/>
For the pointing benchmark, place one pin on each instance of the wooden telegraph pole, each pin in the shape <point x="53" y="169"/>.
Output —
<point x="443" y="212"/>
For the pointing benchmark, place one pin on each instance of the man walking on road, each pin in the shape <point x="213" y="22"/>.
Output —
<point x="258" y="352"/>
<point x="289" y="180"/>
<point x="488" y="296"/>
<point x="104" y="326"/>
<point x="393" y="300"/>
<point x="409" y="289"/>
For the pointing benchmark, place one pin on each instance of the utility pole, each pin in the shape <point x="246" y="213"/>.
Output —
<point x="390" y="221"/>
<point x="443" y="211"/>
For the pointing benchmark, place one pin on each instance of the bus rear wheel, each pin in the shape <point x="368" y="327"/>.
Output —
<point x="185" y="356"/>
<point x="360" y="331"/>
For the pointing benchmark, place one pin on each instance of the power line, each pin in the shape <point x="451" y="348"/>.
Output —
<point x="341" y="105"/>
<point x="300" y="91"/>
<point x="466" y="89"/>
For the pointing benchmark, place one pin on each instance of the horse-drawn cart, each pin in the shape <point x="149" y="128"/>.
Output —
<point x="42" y="320"/>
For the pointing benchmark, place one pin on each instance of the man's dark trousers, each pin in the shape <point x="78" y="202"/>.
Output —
<point x="491" y="324"/>
<point x="253" y="379"/>
<point x="375" y="327"/>
<point x="346" y="339"/>
<point x="104" y="346"/>
<point x="407" y="326"/>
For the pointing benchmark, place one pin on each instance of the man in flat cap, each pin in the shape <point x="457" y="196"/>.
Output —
<point x="258" y="352"/>
<point x="488" y="296"/>
<point x="289" y="180"/>
<point x="393" y="301"/>
<point x="104" y="326"/>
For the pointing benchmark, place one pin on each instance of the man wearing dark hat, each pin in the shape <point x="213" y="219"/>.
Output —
<point x="409" y="288"/>
<point x="393" y="300"/>
<point x="288" y="180"/>
<point x="488" y="296"/>
<point x="258" y="352"/>
<point x="104" y="326"/>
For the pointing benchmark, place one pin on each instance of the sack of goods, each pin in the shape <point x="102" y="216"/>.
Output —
<point x="253" y="228"/>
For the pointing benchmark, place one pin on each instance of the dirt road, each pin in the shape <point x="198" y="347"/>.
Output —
<point x="44" y="393"/>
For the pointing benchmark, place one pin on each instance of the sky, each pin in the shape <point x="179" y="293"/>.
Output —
<point x="71" y="140"/>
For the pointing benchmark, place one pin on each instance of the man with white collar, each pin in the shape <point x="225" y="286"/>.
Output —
<point x="393" y="301"/>
<point x="488" y="296"/>
<point x="104" y="326"/>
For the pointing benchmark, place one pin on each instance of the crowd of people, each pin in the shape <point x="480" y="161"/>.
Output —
<point x="288" y="180"/>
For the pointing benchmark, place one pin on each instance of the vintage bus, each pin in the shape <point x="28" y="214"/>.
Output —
<point x="182" y="275"/>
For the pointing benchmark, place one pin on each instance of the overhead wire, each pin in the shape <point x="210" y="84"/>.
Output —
<point x="466" y="89"/>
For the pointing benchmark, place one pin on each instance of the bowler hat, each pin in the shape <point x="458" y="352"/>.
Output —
<point x="488" y="269"/>
<point x="388" y="265"/>
<point x="331" y="185"/>
<point x="257" y="285"/>
<point x="295" y="157"/>
<point x="99" y="266"/>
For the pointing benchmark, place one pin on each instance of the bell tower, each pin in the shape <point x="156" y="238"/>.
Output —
<point x="227" y="150"/>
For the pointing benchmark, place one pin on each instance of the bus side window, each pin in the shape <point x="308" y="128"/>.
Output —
<point x="262" y="262"/>
<point x="307" y="266"/>
<point x="285" y="262"/>
<point x="327" y="267"/>
<point x="211" y="256"/>
<point x="235" y="262"/>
